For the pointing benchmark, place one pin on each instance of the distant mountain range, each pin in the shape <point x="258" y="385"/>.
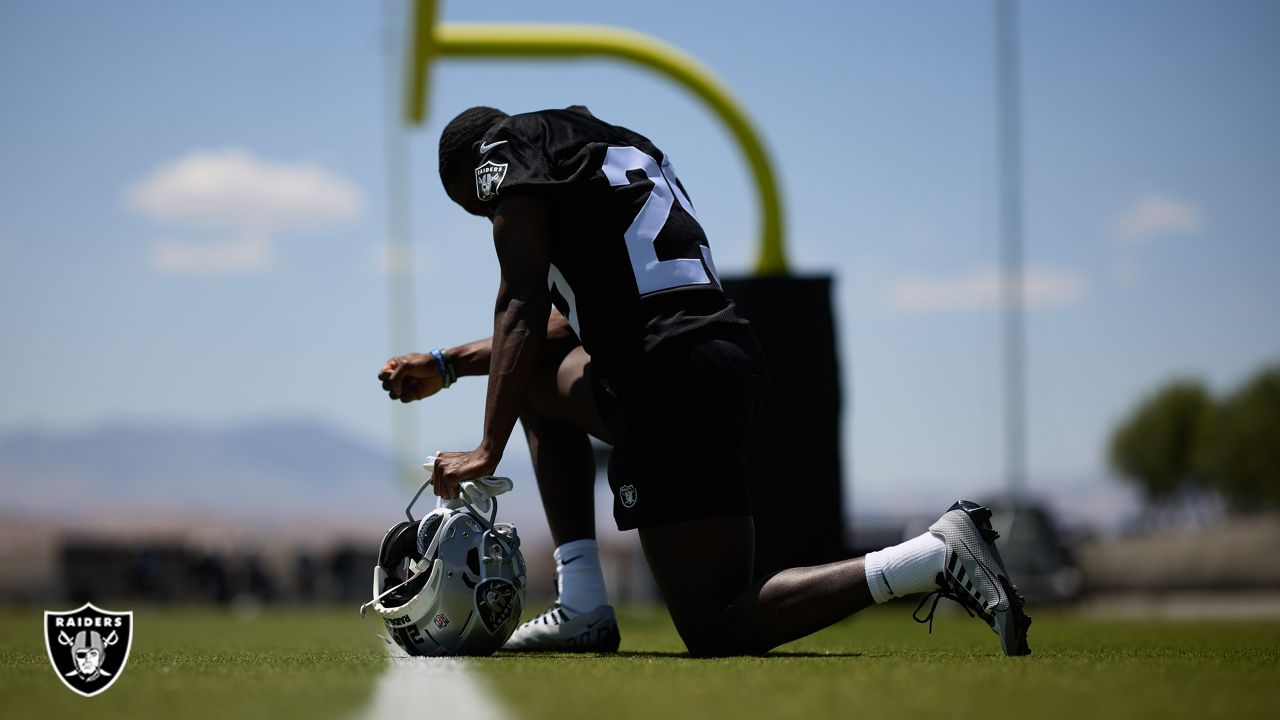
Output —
<point x="281" y="472"/>
<point x="298" y="473"/>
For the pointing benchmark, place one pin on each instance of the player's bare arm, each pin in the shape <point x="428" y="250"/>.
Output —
<point x="521" y="237"/>
<point x="416" y="376"/>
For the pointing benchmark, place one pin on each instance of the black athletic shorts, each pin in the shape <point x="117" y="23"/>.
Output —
<point x="681" y="424"/>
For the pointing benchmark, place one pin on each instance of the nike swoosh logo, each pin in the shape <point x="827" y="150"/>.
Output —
<point x="486" y="148"/>
<point x="591" y="625"/>
<point x="575" y="557"/>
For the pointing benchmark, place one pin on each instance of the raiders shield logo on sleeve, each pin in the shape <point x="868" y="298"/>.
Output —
<point x="88" y="646"/>
<point x="489" y="177"/>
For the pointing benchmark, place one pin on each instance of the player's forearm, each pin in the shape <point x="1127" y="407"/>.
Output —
<point x="473" y="358"/>
<point x="519" y="337"/>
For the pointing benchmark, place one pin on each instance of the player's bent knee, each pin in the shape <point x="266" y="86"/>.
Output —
<point x="721" y="639"/>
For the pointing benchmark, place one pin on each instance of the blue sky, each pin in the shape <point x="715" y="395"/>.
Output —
<point x="1152" y="210"/>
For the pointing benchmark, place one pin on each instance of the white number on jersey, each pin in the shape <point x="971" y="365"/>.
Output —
<point x="651" y="273"/>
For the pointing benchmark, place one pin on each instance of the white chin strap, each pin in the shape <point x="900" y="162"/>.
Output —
<point x="378" y="599"/>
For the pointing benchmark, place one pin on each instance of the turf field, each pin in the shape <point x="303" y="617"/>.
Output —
<point x="322" y="663"/>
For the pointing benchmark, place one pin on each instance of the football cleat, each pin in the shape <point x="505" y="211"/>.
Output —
<point x="974" y="576"/>
<point x="559" y="629"/>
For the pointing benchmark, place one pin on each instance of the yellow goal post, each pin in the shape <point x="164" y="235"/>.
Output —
<point x="432" y="40"/>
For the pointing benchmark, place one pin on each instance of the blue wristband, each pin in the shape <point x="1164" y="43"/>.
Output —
<point x="447" y="374"/>
<point x="448" y="368"/>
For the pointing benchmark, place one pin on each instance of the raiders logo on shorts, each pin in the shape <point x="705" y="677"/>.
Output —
<point x="627" y="493"/>
<point x="88" y="646"/>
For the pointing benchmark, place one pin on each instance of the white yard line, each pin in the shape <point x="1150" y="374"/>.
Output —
<point x="414" y="687"/>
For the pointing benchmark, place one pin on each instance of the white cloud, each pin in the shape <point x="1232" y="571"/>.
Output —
<point x="232" y="188"/>
<point x="231" y="256"/>
<point x="980" y="289"/>
<point x="250" y="199"/>
<point x="1151" y="215"/>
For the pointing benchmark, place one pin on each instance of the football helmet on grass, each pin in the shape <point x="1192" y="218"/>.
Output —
<point x="453" y="582"/>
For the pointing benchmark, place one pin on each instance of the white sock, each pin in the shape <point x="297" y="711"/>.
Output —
<point x="905" y="569"/>
<point x="580" y="578"/>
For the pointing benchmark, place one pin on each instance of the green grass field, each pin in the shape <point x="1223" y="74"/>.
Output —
<point x="324" y="663"/>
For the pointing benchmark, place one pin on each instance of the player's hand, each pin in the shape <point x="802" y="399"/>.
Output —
<point x="454" y="468"/>
<point x="411" y="377"/>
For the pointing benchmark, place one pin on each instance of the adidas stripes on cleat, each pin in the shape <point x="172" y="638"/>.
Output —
<point x="975" y="577"/>
<point x="559" y="629"/>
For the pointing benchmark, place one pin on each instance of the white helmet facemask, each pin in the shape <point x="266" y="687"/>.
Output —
<point x="453" y="582"/>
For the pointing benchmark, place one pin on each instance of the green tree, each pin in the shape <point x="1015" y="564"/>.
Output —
<point x="1242" y="452"/>
<point x="1159" y="446"/>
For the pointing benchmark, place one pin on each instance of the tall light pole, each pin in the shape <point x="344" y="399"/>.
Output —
<point x="1012" y="288"/>
<point x="399" y="260"/>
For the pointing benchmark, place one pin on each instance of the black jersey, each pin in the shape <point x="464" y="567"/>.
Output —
<point x="631" y="267"/>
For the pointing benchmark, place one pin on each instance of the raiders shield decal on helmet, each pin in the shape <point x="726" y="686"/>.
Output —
<point x="495" y="600"/>
<point x="88" y="646"/>
<point x="489" y="177"/>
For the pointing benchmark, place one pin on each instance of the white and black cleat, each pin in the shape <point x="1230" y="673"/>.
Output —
<point x="975" y="577"/>
<point x="559" y="629"/>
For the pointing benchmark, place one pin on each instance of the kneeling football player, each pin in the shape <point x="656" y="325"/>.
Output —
<point x="611" y="322"/>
